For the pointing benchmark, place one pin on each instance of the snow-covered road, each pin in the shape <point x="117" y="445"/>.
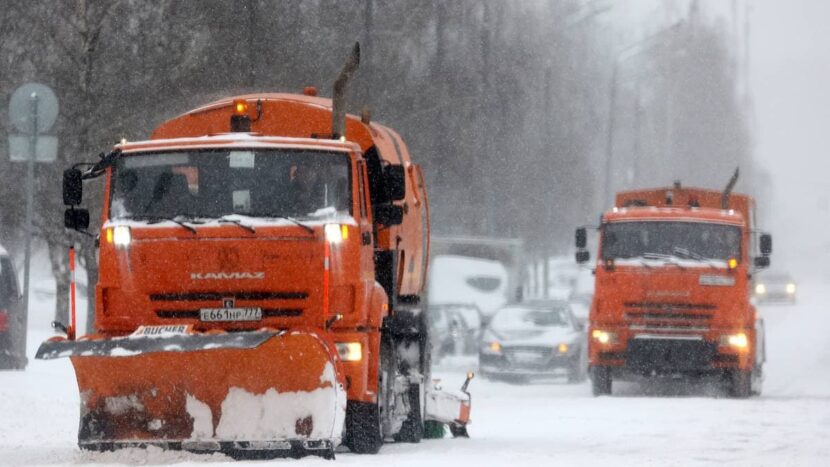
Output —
<point x="538" y="424"/>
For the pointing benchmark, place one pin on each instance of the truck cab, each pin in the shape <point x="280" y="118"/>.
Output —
<point x="672" y="292"/>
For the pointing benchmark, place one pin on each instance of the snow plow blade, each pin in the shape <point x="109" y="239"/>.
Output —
<point x="249" y="394"/>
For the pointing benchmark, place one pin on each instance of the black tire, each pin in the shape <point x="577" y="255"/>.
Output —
<point x="364" y="420"/>
<point x="412" y="430"/>
<point x="740" y="384"/>
<point x="601" y="381"/>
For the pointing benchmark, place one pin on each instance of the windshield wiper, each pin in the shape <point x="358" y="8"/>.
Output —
<point x="667" y="258"/>
<point x="237" y="222"/>
<point x="288" y="218"/>
<point x="157" y="219"/>
<point x="688" y="254"/>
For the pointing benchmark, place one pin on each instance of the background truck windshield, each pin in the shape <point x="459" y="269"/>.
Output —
<point x="688" y="240"/>
<point x="215" y="183"/>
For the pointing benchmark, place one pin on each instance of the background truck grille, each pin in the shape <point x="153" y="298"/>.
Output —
<point x="668" y="317"/>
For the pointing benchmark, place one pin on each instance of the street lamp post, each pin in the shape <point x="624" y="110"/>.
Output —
<point x="621" y="56"/>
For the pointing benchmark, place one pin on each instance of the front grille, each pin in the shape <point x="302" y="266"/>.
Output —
<point x="245" y="295"/>
<point x="669" y="317"/>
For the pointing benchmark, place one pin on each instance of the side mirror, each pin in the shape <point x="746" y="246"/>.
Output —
<point x="76" y="219"/>
<point x="582" y="256"/>
<point x="394" y="182"/>
<point x="766" y="244"/>
<point x="388" y="214"/>
<point x="762" y="262"/>
<point x="581" y="238"/>
<point x="73" y="187"/>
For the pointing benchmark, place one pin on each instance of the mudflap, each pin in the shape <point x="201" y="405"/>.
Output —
<point x="255" y="395"/>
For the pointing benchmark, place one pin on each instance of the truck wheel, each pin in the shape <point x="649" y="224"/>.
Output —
<point x="757" y="381"/>
<point x="412" y="430"/>
<point x="740" y="384"/>
<point x="363" y="428"/>
<point x="364" y="420"/>
<point x="601" y="381"/>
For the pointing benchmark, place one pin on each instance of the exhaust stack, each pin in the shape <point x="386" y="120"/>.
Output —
<point x="724" y="200"/>
<point x="338" y="110"/>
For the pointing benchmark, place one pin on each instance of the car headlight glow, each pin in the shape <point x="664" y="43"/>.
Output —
<point x="739" y="341"/>
<point x="563" y="348"/>
<point x="120" y="236"/>
<point x="790" y="288"/>
<point x="350" y="351"/>
<point x="760" y="289"/>
<point x="604" y="337"/>
<point x="336" y="233"/>
<point x="494" y="346"/>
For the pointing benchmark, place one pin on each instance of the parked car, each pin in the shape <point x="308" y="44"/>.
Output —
<point x="534" y="339"/>
<point x="455" y="329"/>
<point x="11" y="355"/>
<point x="775" y="287"/>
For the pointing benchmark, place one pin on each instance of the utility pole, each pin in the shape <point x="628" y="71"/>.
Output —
<point x="366" y="52"/>
<point x="621" y="56"/>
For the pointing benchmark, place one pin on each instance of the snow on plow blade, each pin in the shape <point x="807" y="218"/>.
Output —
<point x="248" y="394"/>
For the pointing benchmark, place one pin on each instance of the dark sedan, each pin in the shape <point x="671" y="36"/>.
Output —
<point x="536" y="339"/>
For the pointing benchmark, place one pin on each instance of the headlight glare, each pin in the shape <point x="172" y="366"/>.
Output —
<point x="334" y="234"/>
<point x="604" y="337"/>
<point x="790" y="289"/>
<point x="738" y="341"/>
<point x="760" y="289"/>
<point x="120" y="236"/>
<point x="350" y="351"/>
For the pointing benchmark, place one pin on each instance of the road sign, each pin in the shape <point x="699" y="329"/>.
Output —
<point x="20" y="148"/>
<point x="20" y="108"/>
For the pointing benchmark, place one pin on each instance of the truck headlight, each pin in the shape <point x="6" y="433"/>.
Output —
<point x="563" y="348"/>
<point x="604" y="337"/>
<point x="350" y="351"/>
<point x="790" y="289"/>
<point x="120" y="236"/>
<point x="738" y="341"/>
<point x="760" y="289"/>
<point x="336" y="233"/>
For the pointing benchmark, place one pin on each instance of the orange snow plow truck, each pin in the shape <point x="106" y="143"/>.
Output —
<point x="672" y="293"/>
<point x="262" y="260"/>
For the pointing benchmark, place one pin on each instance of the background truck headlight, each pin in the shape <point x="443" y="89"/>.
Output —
<point x="604" y="337"/>
<point x="350" y="351"/>
<point x="760" y="289"/>
<point x="738" y="341"/>
<point x="790" y="289"/>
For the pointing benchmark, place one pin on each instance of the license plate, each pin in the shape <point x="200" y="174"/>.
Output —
<point x="526" y="357"/>
<point x="231" y="314"/>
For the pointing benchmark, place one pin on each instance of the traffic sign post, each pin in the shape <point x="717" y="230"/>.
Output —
<point x="33" y="109"/>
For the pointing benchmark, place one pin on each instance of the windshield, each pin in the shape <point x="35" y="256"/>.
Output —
<point x="216" y="183"/>
<point x="514" y="318"/>
<point x="687" y="240"/>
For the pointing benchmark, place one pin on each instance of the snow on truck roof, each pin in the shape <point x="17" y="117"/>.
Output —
<point x="236" y="140"/>
<point x="688" y="214"/>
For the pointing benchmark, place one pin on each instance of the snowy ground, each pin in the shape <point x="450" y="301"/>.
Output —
<point x="539" y="424"/>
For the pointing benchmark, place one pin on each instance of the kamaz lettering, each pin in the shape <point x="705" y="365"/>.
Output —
<point x="226" y="275"/>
